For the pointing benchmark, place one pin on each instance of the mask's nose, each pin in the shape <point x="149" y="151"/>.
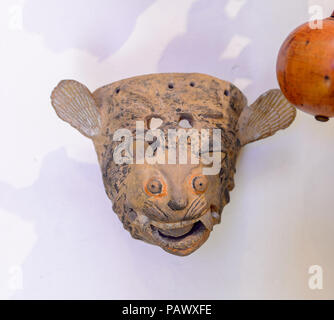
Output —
<point x="178" y="204"/>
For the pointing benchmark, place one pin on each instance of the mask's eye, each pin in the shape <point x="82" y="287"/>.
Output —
<point x="154" y="187"/>
<point x="200" y="184"/>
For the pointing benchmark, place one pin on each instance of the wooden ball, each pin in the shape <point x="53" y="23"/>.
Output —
<point x="305" y="69"/>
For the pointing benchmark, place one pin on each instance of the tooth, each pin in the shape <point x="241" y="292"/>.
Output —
<point x="143" y="219"/>
<point x="215" y="215"/>
<point x="207" y="220"/>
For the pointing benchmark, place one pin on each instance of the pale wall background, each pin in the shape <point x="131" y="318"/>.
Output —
<point x="58" y="235"/>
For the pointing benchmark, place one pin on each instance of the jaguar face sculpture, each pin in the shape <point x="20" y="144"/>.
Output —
<point x="172" y="204"/>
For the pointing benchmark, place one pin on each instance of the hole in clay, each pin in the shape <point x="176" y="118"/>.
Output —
<point x="171" y="86"/>
<point x="192" y="84"/>
<point x="153" y="122"/>
<point x="117" y="90"/>
<point x="321" y="118"/>
<point x="226" y="93"/>
<point x="186" y="121"/>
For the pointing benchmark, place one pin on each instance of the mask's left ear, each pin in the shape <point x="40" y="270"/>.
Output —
<point x="75" y="104"/>
<point x="268" y="114"/>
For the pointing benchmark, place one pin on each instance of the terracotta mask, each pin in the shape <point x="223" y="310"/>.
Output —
<point x="170" y="203"/>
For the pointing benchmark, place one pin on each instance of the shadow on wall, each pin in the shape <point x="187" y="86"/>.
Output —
<point x="234" y="39"/>
<point x="72" y="217"/>
<point x="83" y="252"/>
<point x="99" y="27"/>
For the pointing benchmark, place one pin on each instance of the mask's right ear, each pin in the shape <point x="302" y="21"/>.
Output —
<point x="268" y="114"/>
<point x="74" y="103"/>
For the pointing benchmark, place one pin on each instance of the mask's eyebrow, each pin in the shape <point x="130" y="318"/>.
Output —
<point x="212" y="115"/>
<point x="173" y="174"/>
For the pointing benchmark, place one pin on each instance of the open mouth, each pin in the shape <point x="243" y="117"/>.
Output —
<point x="173" y="236"/>
<point x="184" y="237"/>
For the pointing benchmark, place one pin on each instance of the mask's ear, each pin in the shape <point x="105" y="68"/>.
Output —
<point x="268" y="114"/>
<point x="75" y="104"/>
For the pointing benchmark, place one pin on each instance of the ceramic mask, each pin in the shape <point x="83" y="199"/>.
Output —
<point x="172" y="204"/>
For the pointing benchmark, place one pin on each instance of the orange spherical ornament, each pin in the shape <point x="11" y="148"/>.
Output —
<point x="305" y="69"/>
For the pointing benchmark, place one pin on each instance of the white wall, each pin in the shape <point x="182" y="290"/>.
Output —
<point x="58" y="235"/>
